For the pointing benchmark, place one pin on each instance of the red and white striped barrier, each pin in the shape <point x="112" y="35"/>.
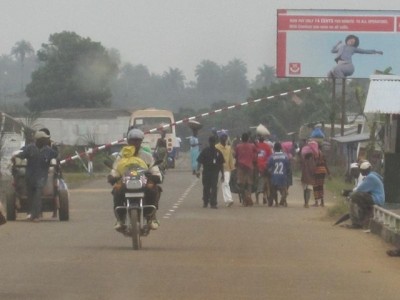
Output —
<point x="186" y="120"/>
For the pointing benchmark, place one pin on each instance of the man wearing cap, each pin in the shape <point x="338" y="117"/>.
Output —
<point x="368" y="193"/>
<point x="38" y="156"/>
<point x="152" y="192"/>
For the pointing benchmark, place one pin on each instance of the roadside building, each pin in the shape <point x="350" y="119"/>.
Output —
<point x="384" y="98"/>
<point x="84" y="126"/>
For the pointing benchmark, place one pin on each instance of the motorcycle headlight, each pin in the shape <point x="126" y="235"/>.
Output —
<point x="133" y="184"/>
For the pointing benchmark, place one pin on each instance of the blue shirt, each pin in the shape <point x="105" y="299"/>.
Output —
<point x="38" y="162"/>
<point x="279" y="169"/>
<point x="373" y="184"/>
<point x="194" y="143"/>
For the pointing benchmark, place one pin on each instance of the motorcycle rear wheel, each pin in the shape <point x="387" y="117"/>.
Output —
<point x="135" y="231"/>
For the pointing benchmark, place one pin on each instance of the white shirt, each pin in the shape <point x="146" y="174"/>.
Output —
<point x="178" y="142"/>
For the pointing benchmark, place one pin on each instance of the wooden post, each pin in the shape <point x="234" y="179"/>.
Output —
<point x="343" y="107"/>
<point x="333" y="108"/>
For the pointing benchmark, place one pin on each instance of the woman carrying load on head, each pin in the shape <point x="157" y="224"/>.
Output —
<point x="320" y="172"/>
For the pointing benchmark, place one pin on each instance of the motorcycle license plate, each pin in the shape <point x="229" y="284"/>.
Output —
<point x="134" y="195"/>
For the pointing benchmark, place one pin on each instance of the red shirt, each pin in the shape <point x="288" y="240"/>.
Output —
<point x="264" y="151"/>
<point x="246" y="155"/>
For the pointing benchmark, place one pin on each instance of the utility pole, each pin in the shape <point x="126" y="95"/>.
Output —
<point x="343" y="107"/>
<point x="333" y="107"/>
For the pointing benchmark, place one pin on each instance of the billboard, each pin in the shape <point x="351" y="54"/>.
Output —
<point x="337" y="43"/>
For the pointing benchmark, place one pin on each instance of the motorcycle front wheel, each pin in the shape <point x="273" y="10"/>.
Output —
<point x="135" y="231"/>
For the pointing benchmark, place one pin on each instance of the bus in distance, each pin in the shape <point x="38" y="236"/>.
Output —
<point x="150" y="118"/>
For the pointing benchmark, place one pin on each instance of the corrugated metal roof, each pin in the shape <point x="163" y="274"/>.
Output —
<point x="85" y="113"/>
<point x="383" y="95"/>
<point x="352" y="138"/>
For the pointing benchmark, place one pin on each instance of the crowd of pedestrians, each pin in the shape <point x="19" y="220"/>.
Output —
<point x="252" y="164"/>
<point x="255" y="165"/>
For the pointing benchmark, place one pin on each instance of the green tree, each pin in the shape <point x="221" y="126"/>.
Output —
<point x="132" y="86"/>
<point x="287" y="114"/>
<point x="209" y="79"/>
<point x="264" y="78"/>
<point x="21" y="50"/>
<point x="174" y="81"/>
<point x="234" y="80"/>
<point x="174" y="86"/>
<point x="75" y="72"/>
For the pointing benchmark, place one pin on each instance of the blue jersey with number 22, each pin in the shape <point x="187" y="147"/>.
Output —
<point x="279" y="169"/>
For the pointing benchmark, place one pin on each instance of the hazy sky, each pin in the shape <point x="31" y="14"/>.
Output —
<point x="165" y="33"/>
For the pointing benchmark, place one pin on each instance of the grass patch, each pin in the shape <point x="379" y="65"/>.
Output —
<point x="76" y="179"/>
<point x="340" y="208"/>
<point x="335" y="186"/>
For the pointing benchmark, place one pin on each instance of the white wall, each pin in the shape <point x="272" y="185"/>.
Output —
<point x="11" y="142"/>
<point x="80" y="131"/>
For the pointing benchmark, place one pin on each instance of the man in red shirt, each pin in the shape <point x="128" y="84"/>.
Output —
<point x="264" y="151"/>
<point x="246" y="160"/>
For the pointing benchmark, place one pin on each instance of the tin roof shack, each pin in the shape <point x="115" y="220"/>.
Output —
<point x="384" y="98"/>
<point x="84" y="126"/>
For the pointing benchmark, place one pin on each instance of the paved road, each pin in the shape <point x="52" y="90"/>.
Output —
<point x="230" y="253"/>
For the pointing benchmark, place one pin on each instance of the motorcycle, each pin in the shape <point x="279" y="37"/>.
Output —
<point x="134" y="184"/>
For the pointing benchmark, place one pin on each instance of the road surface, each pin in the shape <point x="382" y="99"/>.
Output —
<point x="229" y="253"/>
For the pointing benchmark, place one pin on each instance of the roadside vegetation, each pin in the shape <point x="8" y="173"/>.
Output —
<point x="334" y="187"/>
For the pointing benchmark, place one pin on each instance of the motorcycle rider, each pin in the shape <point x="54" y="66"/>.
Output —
<point x="152" y="191"/>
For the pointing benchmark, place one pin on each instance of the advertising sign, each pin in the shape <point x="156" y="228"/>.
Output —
<point x="337" y="43"/>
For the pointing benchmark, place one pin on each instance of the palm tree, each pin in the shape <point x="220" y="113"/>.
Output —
<point x="234" y="81"/>
<point x="264" y="78"/>
<point x="209" y="77"/>
<point x="20" y="51"/>
<point x="174" y="80"/>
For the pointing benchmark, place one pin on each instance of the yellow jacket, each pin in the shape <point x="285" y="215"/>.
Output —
<point x="127" y="159"/>
<point x="226" y="150"/>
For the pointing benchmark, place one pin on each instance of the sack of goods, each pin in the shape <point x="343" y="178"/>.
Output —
<point x="194" y="125"/>
<point x="317" y="133"/>
<point x="262" y="130"/>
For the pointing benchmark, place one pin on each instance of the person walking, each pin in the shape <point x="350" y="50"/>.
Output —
<point x="194" y="150"/>
<point x="212" y="161"/>
<point x="279" y="170"/>
<point x="38" y="156"/>
<point x="177" y="146"/>
<point x="307" y="176"/>
<point x="229" y="165"/>
<point x="246" y="160"/>
<point x="320" y="172"/>
<point x="264" y="151"/>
